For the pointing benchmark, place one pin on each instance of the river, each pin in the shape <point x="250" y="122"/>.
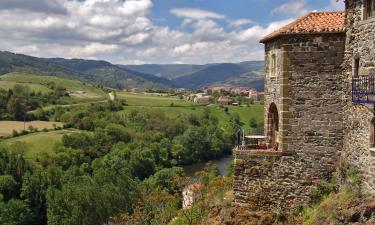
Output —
<point x="222" y="163"/>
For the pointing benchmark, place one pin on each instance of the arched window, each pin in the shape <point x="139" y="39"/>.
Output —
<point x="273" y="65"/>
<point x="273" y="125"/>
<point x="372" y="133"/>
<point x="356" y="67"/>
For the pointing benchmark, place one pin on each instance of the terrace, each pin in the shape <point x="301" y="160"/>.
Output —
<point x="256" y="140"/>
<point x="259" y="140"/>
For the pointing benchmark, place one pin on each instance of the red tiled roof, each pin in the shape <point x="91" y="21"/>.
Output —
<point x="315" y="22"/>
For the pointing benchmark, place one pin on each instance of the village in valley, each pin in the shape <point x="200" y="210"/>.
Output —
<point x="234" y="96"/>
<point x="198" y="117"/>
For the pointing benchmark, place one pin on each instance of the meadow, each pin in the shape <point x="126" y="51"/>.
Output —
<point x="39" y="142"/>
<point x="40" y="83"/>
<point x="174" y="107"/>
<point x="138" y="99"/>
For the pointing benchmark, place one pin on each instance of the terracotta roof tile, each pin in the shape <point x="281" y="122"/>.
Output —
<point x="315" y="22"/>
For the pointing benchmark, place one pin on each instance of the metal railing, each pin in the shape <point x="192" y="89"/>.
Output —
<point x="256" y="131"/>
<point x="253" y="147"/>
<point x="363" y="89"/>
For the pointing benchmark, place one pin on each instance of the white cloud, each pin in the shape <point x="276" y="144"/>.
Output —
<point x="291" y="8"/>
<point x="240" y="22"/>
<point x="122" y="31"/>
<point x="93" y="49"/>
<point x="196" y="13"/>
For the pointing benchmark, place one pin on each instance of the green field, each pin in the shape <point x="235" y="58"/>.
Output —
<point x="4" y="84"/>
<point x="45" y="141"/>
<point x="181" y="107"/>
<point x="133" y="99"/>
<point x="39" y="83"/>
<point x="39" y="142"/>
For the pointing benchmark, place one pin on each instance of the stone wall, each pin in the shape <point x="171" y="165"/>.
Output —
<point x="272" y="85"/>
<point x="316" y="91"/>
<point x="308" y="92"/>
<point x="360" y="43"/>
<point x="277" y="180"/>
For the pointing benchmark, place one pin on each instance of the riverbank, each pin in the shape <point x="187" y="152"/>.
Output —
<point x="221" y="163"/>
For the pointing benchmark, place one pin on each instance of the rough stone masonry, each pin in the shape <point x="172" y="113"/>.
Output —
<point x="358" y="149"/>
<point x="304" y="80"/>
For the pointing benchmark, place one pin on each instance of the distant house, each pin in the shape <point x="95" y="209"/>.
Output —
<point x="134" y="90"/>
<point x="180" y="90"/>
<point x="202" y="99"/>
<point x="255" y="95"/>
<point x="243" y="91"/>
<point x="224" y="100"/>
<point x="207" y="90"/>
<point x="221" y="90"/>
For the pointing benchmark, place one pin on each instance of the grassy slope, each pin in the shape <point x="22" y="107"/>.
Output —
<point x="39" y="142"/>
<point x="163" y="104"/>
<point x="39" y="83"/>
<point x="5" y="84"/>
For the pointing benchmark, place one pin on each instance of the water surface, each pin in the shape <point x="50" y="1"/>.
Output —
<point x="222" y="163"/>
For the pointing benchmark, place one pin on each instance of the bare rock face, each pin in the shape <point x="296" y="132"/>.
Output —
<point x="190" y="194"/>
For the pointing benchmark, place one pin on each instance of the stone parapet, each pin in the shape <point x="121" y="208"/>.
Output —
<point x="274" y="180"/>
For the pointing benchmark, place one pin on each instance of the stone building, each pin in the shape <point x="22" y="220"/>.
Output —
<point x="359" y="67"/>
<point x="303" y="115"/>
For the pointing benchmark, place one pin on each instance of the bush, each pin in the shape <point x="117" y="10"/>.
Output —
<point x="15" y="133"/>
<point x="323" y="189"/>
<point x="24" y="132"/>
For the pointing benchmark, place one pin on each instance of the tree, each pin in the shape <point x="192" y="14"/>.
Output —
<point x="8" y="187"/>
<point x="83" y="201"/>
<point x="16" y="107"/>
<point x="15" y="212"/>
<point x="169" y="179"/>
<point x="34" y="190"/>
<point x="253" y="123"/>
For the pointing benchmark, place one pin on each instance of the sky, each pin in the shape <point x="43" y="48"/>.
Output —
<point x="148" y="31"/>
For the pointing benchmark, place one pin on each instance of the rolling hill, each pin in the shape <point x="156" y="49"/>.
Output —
<point x="91" y="71"/>
<point x="244" y="74"/>
<point x="151" y="76"/>
<point x="41" y="83"/>
<point x="169" y="71"/>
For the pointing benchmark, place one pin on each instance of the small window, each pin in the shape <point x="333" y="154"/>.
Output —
<point x="369" y="9"/>
<point x="356" y="67"/>
<point x="372" y="133"/>
<point x="273" y="66"/>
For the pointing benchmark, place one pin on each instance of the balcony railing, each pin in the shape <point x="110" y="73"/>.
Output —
<point x="363" y="89"/>
<point x="253" y="147"/>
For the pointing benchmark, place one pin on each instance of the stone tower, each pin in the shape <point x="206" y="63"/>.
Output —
<point x="303" y="115"/>
<point x="359" y="66"/>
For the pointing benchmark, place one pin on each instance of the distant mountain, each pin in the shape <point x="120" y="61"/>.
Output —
<point x="96" y="72"/>
<point x="154" y="76"/>
<point x="170" y="71"/>
<point x="244" y="74"/>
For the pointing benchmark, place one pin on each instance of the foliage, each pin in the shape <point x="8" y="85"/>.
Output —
<point x="15" y="212"/>
<point x="16" y="102"/>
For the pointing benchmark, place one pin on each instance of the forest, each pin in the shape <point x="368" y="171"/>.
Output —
<point x="110" y="168"/>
